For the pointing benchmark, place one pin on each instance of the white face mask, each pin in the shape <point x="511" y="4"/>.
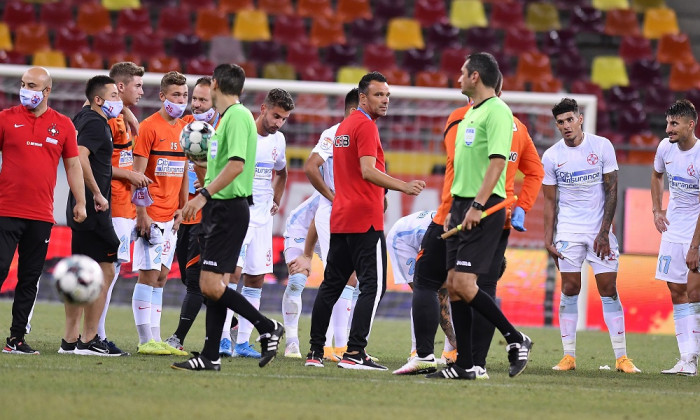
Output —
<point x="112" y="109"/>
<point x="174" y="110"/>
<point x="30" y="98"/>
<point x="205" y="116"/>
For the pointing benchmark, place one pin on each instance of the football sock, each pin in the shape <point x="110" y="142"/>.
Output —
<point x="329" y="334"/>
<point x="216" y="312"/>
<point x="226" y="331"/>
<point x="355" y="295"/>
<point x="101" y="324"/>
<point x="291" y="305"/>
<point x="426" y="308"/>
<point x="462" y="317"/>
<point x="568" y="318"/>
<point x="141" y="307"/>
<point x="191" y="306"/>
<point x="614" y="317"/>
<point x="684" y="335"/>
<point x="486" y="306"/>
<point x="156" y="311"/>
<point x="413" y="334"/>
<point x="694" y="327"/>
<point x="252" y="295"/>
<point x="340" y="315"/>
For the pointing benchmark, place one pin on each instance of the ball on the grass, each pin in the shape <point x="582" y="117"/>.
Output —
<point x="194" y="139"/>
<point x="78" y="279"/>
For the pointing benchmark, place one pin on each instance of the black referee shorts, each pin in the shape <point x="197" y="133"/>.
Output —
<point x="100" y="244"/>
<point x="430" y="263"/>
<point x="471" y="251"/>
<point x="223" y="228"/>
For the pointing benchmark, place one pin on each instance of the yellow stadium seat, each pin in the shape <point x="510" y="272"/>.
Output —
<point x="641" y="6"/>
<point x="609" y="71"/>
<point x="121" y="4"/>
<point x="281" y="71"/>
<point x="404" y="34"/>
<point x="658" y="22"/>
<point x="611" y="4"/>
<point x="49" y="58"/>
<point x="465" y="14"/>
<point x="251" y="25"/>
<point x="5" y="38"/>
<point x="351" y="75"/>
<point x="542" y="17"/>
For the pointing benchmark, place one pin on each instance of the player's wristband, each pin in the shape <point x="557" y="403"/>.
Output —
<point x="477" y="205"/>
<point x="205" y="194"/>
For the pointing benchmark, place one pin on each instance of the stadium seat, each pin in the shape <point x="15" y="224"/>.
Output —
<point x="658" y="22"/>
<point x="12" y="57"/>
<point x="609" y="71"/>
<point x="251" y="25"/>
<point x="645" y="73"/>
<point x="640" y="6"/>
<point x="415" y="60"/>
<point x="533" y="66"/>
<point x="93" y="18"/>
<point x="185" y="47"/>
<point x="570" y="4"/>
<point x="572" y="67"/>
<point x="327" y="31"/>
<point x="314" y="8"/>
<point x="310" y="108"/>
<point x="366" y="31"/>
<point x="674" y="47"/>
<point x="70" y="40"/>
<point x="433" y="78"/>
<point x="396" y="77"/>
<point x="18" y="13"/>
<point x="443" y="35"/>
<point x="645" y="144"/>
<point x="350" y="10"/>
<point x="429" y="12"/>
<point x="55" y="15"/>
<point x="590" y="88"/>
<point x="622" y="97"/>
<point x="483" y="39"/>
<point x="147" y="45"/>
<point x="31" y="37"/>
<point x="351" y="75"/>
<point x="163" y="64"/>
<point x="107" y="44"/>
<point x="211" y="23"/>
<point x="378" y="55"/>
<point x="123" y="56"/>
<point x="452" y="59"/>
<point x="511" y="83"/>
<point x="121" y="4"/>
<point x="684" y="76"/>
<point x="171" y="21"/>
<point x="586" y="19"/>
<point x="49" y="58"/>
<point x="200" y="65"/>
<point x="518" y="41"/>
<point x="276" y="7"/>
<point x="289" y="29"/>
<point x="130" y="21"/>
<point x="504" y="62"/>
<point x="404" y="34"/>
<point x="621" y="22"/>
<point x="341" y="55"/>
<point x="86" y="60"/>
<point x="282" y="71"/>
<point x="611" y="4"/>
<point x="5" y="38"/>
<point x="234" y="6"/>
<point x="506" y="15"/>
<point x="559" y="42"/>
<point x="693" y="95"/>
<point x="263" y="52"/>
<point x="465" y="14"/>
<point x="301" y="54"/>
<point x="632" y="120"/>
<point x="547" y="85"/>
<point x="658" y="98"/>
<point x="634" y="48"/>
<point x="542" y="17"/>
<point x="317" y="72"/>
<point x="388" y="9"/>
<point x="189" y="6"/>
<point x="225" y="49"/>
<point x="249" y="68"/>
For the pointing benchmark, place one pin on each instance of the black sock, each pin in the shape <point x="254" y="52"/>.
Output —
<point x="188" y="313"/>
<point x="426" y="318"/>
<point x="216" y="315"/>
<point x="482" y="330"/>
<point x="488" y="308"/>
<point x="462" y="321"/>
<point x="236" y="302"/>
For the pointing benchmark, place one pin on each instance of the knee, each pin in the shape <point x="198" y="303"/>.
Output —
<point x="570" y="289"/>
<point x="212" y="290"/>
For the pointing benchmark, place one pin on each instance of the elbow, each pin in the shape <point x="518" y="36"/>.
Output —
<point x="365" y="174"/>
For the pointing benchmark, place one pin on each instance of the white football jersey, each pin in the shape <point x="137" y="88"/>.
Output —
<point x="269" y="157"/>
<point x="410" y="229"/>
<point x="300" y="218"/>
<point x="324" y="148"/>
<point x="578" y="174"/>
<point x="681" y="168"/>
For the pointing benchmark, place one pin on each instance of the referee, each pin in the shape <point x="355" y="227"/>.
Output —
<point x="32" y="135"/>
<point x="357" y="225"/>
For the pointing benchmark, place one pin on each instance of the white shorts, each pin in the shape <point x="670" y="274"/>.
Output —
<point x="294" y="247"/>
<point x="403" y="259"/>
<point x="323" y="228"/>
<point x="579" y="248"/>
<point x="256" y="253"/>
<point x="152" y="257"/>
<point x="671" y="265"/>
<point x="124" y="229"/>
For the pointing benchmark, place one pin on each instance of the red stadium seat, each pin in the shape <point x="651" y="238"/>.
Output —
<point x="70" y="40"/>
<point x="264" y="52"/>
<point x="430" y="12"/>
<point x="86" y="60"/>
<point x="388" y="9"/>
<point x="163" y="64"/>
<point x="123" y="56"/>
<point x="433" y="78"/>
<point x="186" y="47"/>
<point x="147" y="45"/>
<point x="171" y="21"/>
<point x="93" y="18"/>
<point x="18" y="13"/>
<point x="506" y="15"/>
<point x="590" y="88"/>
<point x="632" y="120"/>
<point x="340" y="55"/>
<point x="483" y="39"/>
<point x="378" y="55"/>
<point x="189" y="6"/>
<point x="622" y="97"/>
<point x="317" y="72"/>
<point x="302" y="54"/>
<point x="366" y="31"/>
<point x="512" y="83"/>
<point x="519" y="41"/>
<point x="55" y="15"/>
<point x="646" y="73"/>
<point x="397" y="77"/>
<point x="276" y="7"/>
<point x="633" y="48"/>
<point x="673" y="48"/>
<point x="559" y="42"/>
<point x="645" y="144"/>
<point x="130" y="21"/>
<point x="571" y="67"/>
<point x="443" y="35"/>
<point x="233" y="6"/>
<point x="249" y="68"/>
<point x="452" y="59"/>
<point x="621" y="22"/>
<point x="586" y="19"/>
<point x="12" y="57"/>
<point x="415" y="60"/>
<point x="200" y="65"/>
<point x="32" y="37"/>
<point x="108" y="45"/>
<point x="658" y="98"/>
<point x="289" y="29"/>
<point x="226" y="49"/>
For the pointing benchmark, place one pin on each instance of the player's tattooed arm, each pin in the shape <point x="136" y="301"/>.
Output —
<point x="445" y="320"/>
<point x="602" y="242"/>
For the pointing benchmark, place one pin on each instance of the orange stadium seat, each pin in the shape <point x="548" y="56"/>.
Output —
<point x="200" y="65"/>
<point x="289" y="29"/>
<point x="506" y="15"/>
<point x="634" y="48"/>
<point x="282" y="71"/>
<point x="32" y="37"/>
<point x="645" y="144"/>
<point x="121" y="4"/>
<point x="233" y="6"/>
<point x="533" y="66"/>
<point x="549" y="85"/>
<point x="327" y="31"/>
<point x="621" y="22"/>
<point x="49" y="58"/>
<point x="609" y="71"/>
<point x="225" y="49"/>
<point x="55" y="15"/>
<point x="317" y="72"/>
<point x="432" y="78"/>
<point x="86" y="60"/>
<point x="396" y="76"/>
<point x="147" y="45"/>
<point x="133" y="20"/>
<point x="684" y="76"/>
<point x="123" y="56"/>
<point x="351" y="75"/>
<point x="512" y="83"/>
<point x="171" y="21"/>
<point x="611" y="4"/>
<point x="163" y="64"/>
<point x="641" y="6"/>
<point x="18" y="13"/>
<point x="378" y="55"/>
<point x="350" y="10"/>
<point x="301" y="54"/>
<point x="519" y="40"/>
<point x="251" y="25"/>
<point x="404" y="34"/>
<point x="93" y="18"/>
<point x="430" y="12"/>
<point x="5" y="38"/>
<point x="108" y="45"/>
<point x="541" y="17"/>
<point x="658" y="22"/>
<point x="674" y="47"/>
<point x="210" y="23"/>
<point x="249" y="68"/>
<point x="276" y="7"/>
<point x="70" y="40"/>
<point x="314" y="8"/>
<point x="465" y="14"/>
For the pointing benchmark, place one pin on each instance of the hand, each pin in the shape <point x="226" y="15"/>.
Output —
<point x="446" y="226"/>
<point x="200" y="163"/>
<point x="192" y="207"/>
<point x="517" y="219"/>
<point x="413" y="187"/>
<point x="143" y="224"/>
<point x="660" y="220"/>
<point x="471" y="219"/>
<point x="691" y="259"/>
<point x="275" y="208"/>
<point x="79" y="212"/>
<point x="138" y="179"/>
<point x="553" y="252"/>
<point x="101" y="203"/>
<point x="177" y="219"/>
<point x="197" y="185"/>
<point x="601" y="245"/>
<point x="301" y="264"/>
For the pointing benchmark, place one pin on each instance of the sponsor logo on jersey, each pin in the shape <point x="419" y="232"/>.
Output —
<point x="464" y="263"/>
<point x="263" y="170"/>
<point x="513" y="157"/>
<point x="342" y="141"/>
<point x="211" y="263"/>
<point x="592" y="159"/>
<point x="33" y="143"/>
<point x="683" y="183"/>
<point x="588" y="176"/>
<point x="166" y="167"/>
<point x="51" y="140"/>
<point x="126" y="158"/>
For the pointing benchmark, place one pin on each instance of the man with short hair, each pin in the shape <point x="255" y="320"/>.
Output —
<point x="580" y="192"/>
<point x="32" y="135"/>
<point x="678" y="156"/>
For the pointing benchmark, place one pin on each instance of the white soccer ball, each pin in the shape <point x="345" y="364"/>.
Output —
<point x="194" y="140"/>
<point x="78" y="279"/>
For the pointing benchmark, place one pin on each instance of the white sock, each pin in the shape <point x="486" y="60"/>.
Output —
<point x="226" y="331"/>
<point x="694" y="328"/>
<point x="355" y="295"/>
<point x="156" y="311"/>
<point x="340" y="315"/>
<point x="291" y="306"/>
<point x="684" y="333"/>
<point x="614" y="317"/>
<point x="141" y="307"/>
<point x="245" y="327"/>
<point x="413" y="335"/>
<point x="101" y="324"/>
<point x="568" y="318"/>
<point x="329" y="333"/>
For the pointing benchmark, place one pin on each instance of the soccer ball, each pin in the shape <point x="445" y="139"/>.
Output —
<point x="78" y="279"/>
<point x="194" y="139"/>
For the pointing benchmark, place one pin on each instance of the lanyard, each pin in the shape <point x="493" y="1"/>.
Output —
<point x="366" y="114"/>
<point x="216" y="121"/>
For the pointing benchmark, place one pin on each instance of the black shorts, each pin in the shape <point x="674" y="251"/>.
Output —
<point x="100" y="244"/>
<point x="430" y="262"/>
<point x="471" y="251"/>
<point x="222" y="231"/>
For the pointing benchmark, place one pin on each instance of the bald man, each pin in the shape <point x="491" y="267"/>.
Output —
<point x="32" y="139"/>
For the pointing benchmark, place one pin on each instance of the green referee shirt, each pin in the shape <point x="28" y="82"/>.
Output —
<point x="236" y="138"/>
<point x="485" y="131"/>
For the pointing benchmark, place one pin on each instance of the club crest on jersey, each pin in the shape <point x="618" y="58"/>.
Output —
<point x="326" y="144"/>
<point x="592" y="159"/>
<point x="691" y="170"/>
<point x="53" y="131"/>
<point x="275" y="153"/>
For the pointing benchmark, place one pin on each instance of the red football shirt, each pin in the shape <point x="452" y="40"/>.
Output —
<point x="358" y="204"/>
<point x="31" y="148"/>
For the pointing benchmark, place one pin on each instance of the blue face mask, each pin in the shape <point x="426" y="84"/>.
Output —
<point x="30" y="98"/>
<point x="205" y="116"/>
<point x="174" y="110"/>
<point x="112" y="109"/>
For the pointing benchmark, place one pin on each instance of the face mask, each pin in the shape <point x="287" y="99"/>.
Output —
<point x="30" y="98"/>
<point x="207" y="116"/>
<point x="174" y="110"/>
<point x="112" y="109"/>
